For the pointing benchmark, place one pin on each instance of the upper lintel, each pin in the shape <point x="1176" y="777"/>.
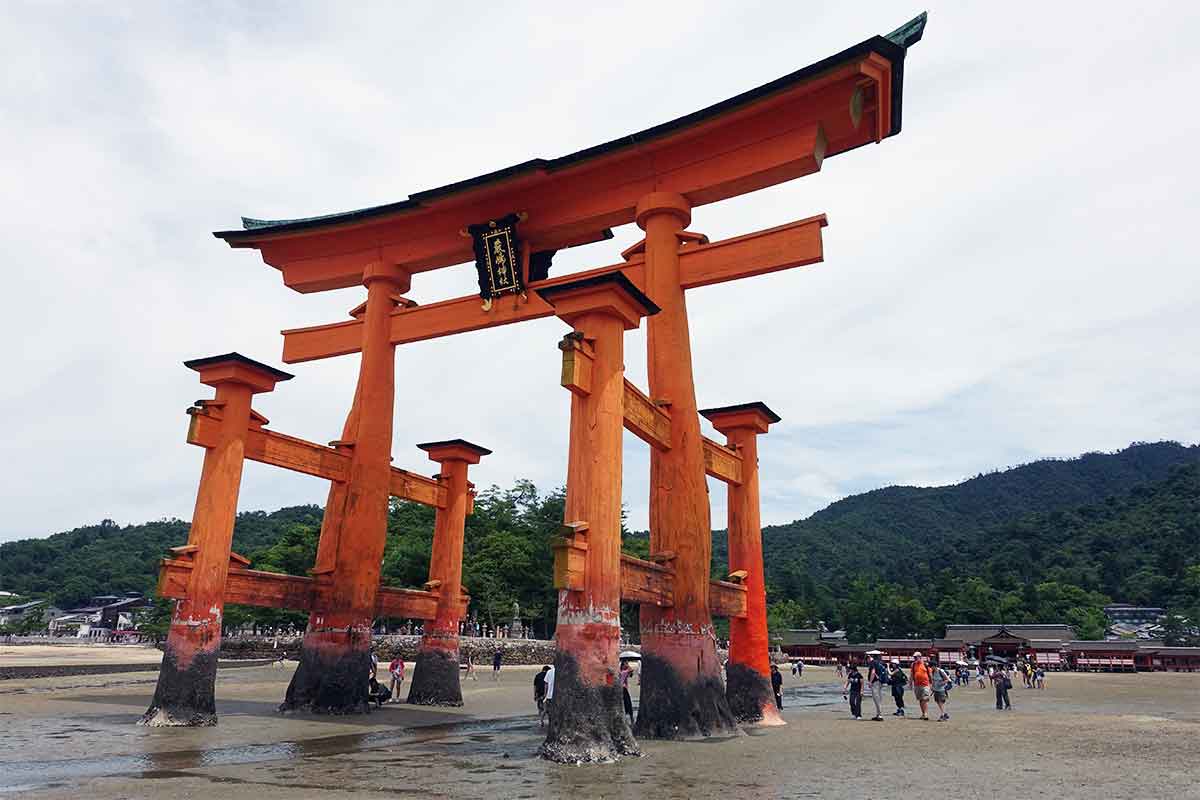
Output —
<point x="774" y="133"/>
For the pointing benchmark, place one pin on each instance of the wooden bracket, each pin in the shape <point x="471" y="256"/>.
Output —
<point x="570" y="552"/>
<point x="663" y="557"/>
<point x="432" y="585"/>
<point x="577" y="359"/>
<point x="738" y="576"/>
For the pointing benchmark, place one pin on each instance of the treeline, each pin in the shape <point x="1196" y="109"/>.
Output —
<point x="1045" y="542"/>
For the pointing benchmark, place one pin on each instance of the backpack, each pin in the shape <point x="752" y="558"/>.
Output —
<point x="899" y="679"/>
<point x="879" y="670"/>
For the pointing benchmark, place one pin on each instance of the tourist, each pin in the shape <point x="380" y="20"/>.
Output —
<point x="1040" y="678"/>
<point x="841" y="672"/>
<point x="922" y="683"/>
<point x="877" y="674"/>
<point x="496" y="658"/>
<point x="798" y="668"/>
<point x="377" y="692"/>
<point x="625" y="675"/>
<point x="980" y="675"/>
<point x="539" y="694"/>
<point x="396" y="668"/>
<point x="777" y="685"/>
<point x="471" y="667"/>
<point x="549" y="689"/>
<point x="941" y="684"/>
<point x="899" y="680"/>
<point x="852" y="690"/>
<point x="374" y="662"/>
<point x="1002" y="683"/>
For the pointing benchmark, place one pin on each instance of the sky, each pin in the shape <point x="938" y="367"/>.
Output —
<point x="1012" y="277"/>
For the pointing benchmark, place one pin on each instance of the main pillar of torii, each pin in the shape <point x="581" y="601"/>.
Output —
<point x="682" y="692"/>
<point x="335" y="658"/>
<point x="748" y="673"/>
<point x="587" y="718"/>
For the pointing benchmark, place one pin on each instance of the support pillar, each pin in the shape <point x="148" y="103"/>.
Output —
<point x="435" y="680"/>
<point x="748" y="672"/>
<point x="682" y="692"/>
<point x="335" y="659"/>
<point x="587" y="720"/>
<point x="188" y="674"/>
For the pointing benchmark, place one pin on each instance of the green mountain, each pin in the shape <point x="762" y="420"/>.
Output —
<point x="1048" y="541"/>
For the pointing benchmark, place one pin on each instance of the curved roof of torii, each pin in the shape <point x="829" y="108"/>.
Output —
<point x="891" y="48"/>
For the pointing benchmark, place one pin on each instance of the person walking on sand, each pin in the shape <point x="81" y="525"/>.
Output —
<point x="471" y="668"/>
<point x="1039" y="678"/>
<point x="941" y="683"/>
<point x="625" y="674"/>
<point x="1003" y="684"/>
<point x="549" y="698"/>
<point x="877" y="673"/>
<point x="980" y="676"/>
<point x="539" y="694"/>
<point x="899" y="681"/>
<point x="396" y="670"/>
<point x="496" y="658"/>
<point x="922" y="683"/>
<point x="777" y="685"/>
<point x="852" y="690"/>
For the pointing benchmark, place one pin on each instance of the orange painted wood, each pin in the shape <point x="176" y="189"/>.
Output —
<point x="721" y="462"/>
<point x="299" y="455"/>
<point x="749" y="643"/>
<point x="646" y="582"/>
<point x="681" y="635"/>
<point x="297" y="593"/>
<point x="777" y="138"/>
<point x="783" y="247"/>
<point x="727" y="599"/>
<point x="645" y="420"/>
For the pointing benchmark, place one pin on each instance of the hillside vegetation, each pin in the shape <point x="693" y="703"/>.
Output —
<point x="1047" y="541"/>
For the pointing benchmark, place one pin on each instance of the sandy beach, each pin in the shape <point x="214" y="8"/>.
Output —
<point x="1087" y="735"/>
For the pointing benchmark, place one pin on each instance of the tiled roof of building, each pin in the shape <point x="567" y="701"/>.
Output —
<point x="973" y="634"/>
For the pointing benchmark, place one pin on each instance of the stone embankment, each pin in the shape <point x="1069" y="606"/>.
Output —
<point x="514" y="651"/>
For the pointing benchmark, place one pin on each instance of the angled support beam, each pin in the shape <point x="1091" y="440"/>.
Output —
<point x="298" y="455"/>
<point x="646" y="582"/>
<point x="784" y="247"/>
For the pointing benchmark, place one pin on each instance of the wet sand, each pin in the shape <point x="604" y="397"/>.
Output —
<point x="1087" y="735"/>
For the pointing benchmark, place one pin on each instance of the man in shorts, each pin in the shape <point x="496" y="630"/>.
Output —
<point x="922" y="683"/>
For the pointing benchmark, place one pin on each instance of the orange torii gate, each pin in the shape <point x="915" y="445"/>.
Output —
<point x="777" y="132"/>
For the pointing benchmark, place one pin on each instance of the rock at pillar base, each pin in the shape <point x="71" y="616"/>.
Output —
<point x="333" y="673"/>
<point x="672" y="709"/>
<point x="184" y="697"/>
<point x="435" y="680"/>
<point x="587" y="723"/>
<point x="750" y="697"/>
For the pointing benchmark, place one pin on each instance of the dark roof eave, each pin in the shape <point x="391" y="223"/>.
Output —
<point x="893" y="47"/>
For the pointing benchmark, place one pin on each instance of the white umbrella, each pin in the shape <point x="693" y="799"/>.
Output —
<point x="630" y="654"/>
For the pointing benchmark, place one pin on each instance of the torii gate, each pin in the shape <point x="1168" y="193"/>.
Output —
<point x="777" y="132"/>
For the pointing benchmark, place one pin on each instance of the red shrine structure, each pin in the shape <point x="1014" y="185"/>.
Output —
<point x="511" y="222"/>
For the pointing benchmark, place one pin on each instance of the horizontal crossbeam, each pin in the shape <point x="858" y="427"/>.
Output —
<point x="646" y="582"/>
<point x="792" y="245"/>
<point x="652" y="424"/>
<point x="295" y="592"/>
<point x="298" y="455"/>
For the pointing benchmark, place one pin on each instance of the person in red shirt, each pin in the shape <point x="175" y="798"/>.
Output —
<point x="396" y="668"/>
<point x="922" y="683"/>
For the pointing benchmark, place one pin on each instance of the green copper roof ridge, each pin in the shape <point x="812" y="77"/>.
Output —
<point x="910" y="32"/>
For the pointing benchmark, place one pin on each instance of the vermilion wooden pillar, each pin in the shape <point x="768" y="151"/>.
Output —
<point x="187" y="677"/>
<point x="748" y="673"/>
<point x="335" y="658"/>
<point x="587" y="722"/>
<point x="435" y="676"/>
<point x="682" y="693"/>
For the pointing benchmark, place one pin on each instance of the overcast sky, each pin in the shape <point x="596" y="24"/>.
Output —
<point x="1014" y="276"/>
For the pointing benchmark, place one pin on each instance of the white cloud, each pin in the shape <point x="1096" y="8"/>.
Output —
<point x="1011" y="277"/>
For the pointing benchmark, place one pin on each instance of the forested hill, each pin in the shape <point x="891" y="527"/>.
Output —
<point x="1049" y="520"/>
<point x="1043" y="542"/>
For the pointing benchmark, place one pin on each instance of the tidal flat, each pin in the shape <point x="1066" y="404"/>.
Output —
<point x="1086" y="735"/>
